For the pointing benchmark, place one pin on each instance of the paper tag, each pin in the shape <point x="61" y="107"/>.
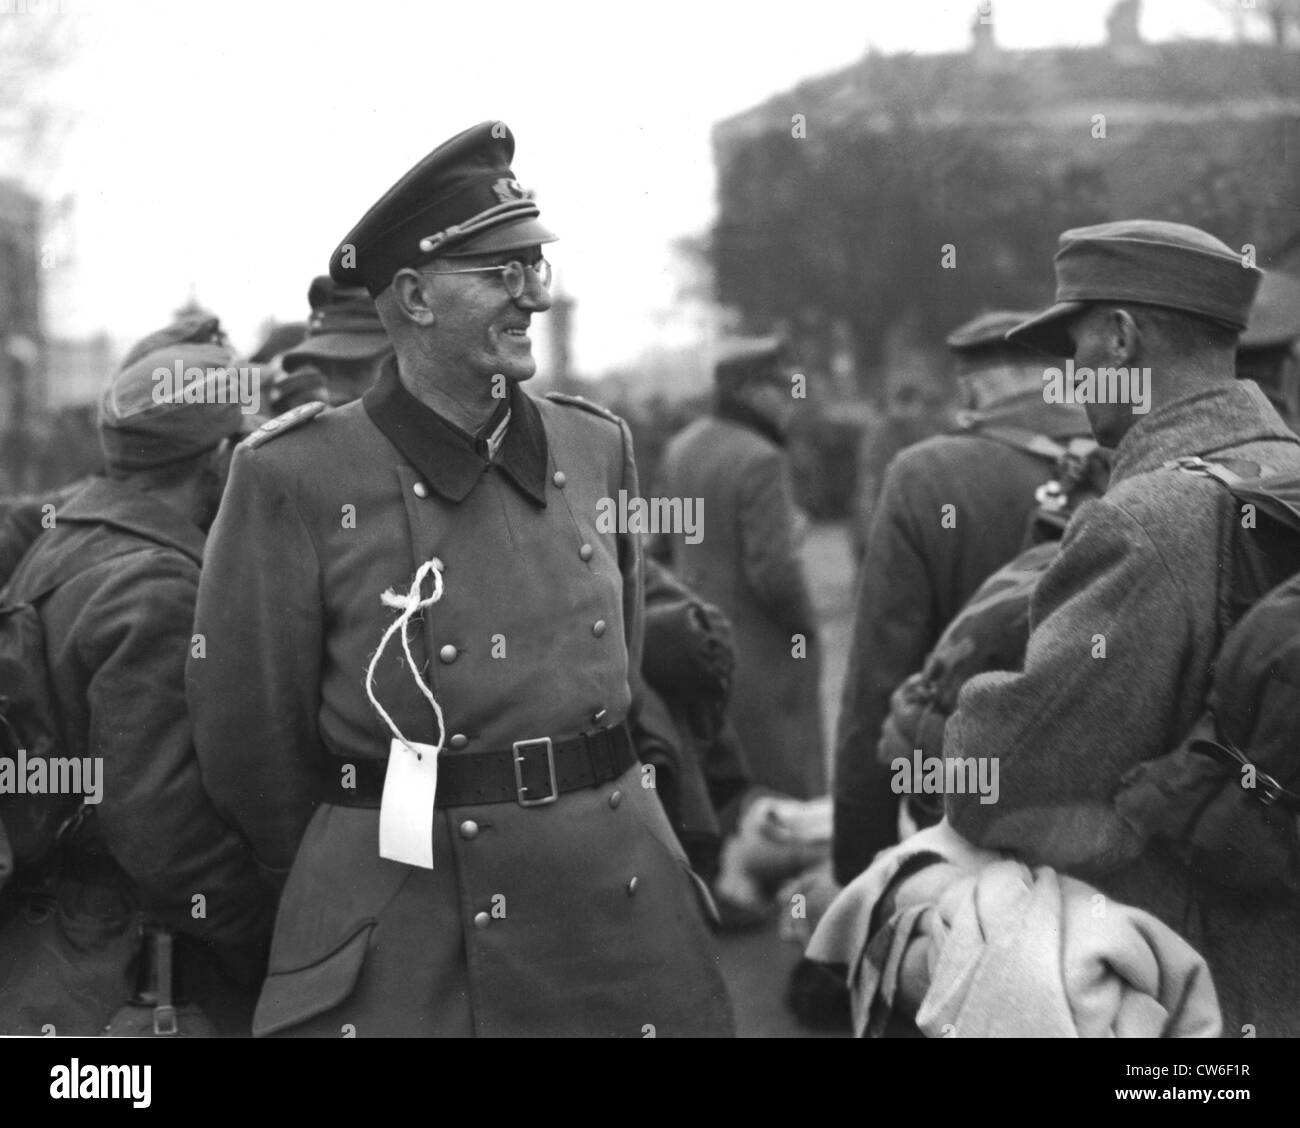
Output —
<point x="406" y="810"/>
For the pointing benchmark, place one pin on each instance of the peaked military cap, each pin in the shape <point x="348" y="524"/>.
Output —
<point x="1148" y="262"/>
<point x="461" y="199"/>
<point x="344" y="325"/>
<point x="986" y="330"/>
<point x="1275" y="316"/>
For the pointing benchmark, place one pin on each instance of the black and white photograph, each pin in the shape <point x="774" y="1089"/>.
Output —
<point x="697" y="520"/>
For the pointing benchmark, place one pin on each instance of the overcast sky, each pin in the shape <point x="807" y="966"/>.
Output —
<point x="229" y="145"/>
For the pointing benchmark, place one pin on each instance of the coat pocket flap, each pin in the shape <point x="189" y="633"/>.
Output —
<point x="291" y="997"/>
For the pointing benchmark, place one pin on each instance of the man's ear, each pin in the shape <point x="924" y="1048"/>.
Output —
<point x="1123" y="335"/>
<point x="412" y="297"/>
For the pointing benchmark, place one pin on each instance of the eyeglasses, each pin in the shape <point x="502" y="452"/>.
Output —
<point x="514" y="274"/>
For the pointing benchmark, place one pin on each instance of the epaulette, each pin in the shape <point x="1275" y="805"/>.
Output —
<point x="585" y="404"/>
<point x="294" y="417"/>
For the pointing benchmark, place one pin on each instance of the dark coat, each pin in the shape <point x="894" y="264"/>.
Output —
<point x="917" y="574"/>
<point x="747" y="563"/>
<point x="1142" y="569"/>
<point x="117" y="637"/>
<point x="682" y="725"/>
<point x="543" y="612"/>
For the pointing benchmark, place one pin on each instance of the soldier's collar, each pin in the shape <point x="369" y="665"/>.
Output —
<point x="451" y="460"/>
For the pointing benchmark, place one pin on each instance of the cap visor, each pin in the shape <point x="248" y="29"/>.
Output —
<point x="1047" y="331"/>
<point x="508" y="237"/>
<point x="338" y="346"/>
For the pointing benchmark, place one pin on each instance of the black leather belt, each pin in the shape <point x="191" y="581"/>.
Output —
<point x="531" y="773"/>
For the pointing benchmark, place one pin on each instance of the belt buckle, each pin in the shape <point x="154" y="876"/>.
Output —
<point x="517" y="758"/>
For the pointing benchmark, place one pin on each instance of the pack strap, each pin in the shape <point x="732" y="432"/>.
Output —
<point x="1267" y="790"/>
<point x="1247" y="481"/>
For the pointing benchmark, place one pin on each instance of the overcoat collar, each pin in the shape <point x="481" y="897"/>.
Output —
<point x="106" y="501"/>
<point x="1203" y="423"/>
<point x="450" y="460"/>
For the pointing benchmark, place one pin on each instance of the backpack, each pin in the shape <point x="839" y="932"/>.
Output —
<point x="31" y="825"/>
<point x="1225" y="801"/>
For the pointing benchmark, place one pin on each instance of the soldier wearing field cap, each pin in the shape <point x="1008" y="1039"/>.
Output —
<point x="1127" y="620"/>
<point x="345" y="343"/>
<point x="953" y="509"/>
<point x="115" y="581"/>
<point x="421" y="649"/>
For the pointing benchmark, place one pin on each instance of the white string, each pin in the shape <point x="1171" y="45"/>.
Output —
<point x="410" y="605"/>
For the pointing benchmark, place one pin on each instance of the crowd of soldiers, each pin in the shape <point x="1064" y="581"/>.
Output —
<point x="398" y="737"/>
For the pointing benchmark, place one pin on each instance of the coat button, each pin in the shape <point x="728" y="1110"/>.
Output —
<point x="481" y="921"/>
<point x="586" y="552"/>
<point x="421" y="490"/>
<point x="631" y="886"/>
<point x="615" y="798"/>
<point x="598" y="627"/>
<point x="469" y="829"/>
<point x="448" y="653"/>
<point x="559" y="479"/>
<point x="459" y="740"/>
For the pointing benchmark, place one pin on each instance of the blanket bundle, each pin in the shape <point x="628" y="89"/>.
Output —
<point x="1006" y="950"/>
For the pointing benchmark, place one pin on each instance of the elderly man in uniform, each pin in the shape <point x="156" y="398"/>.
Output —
<point x="149" y="875"/>
<point x="745" y="559"/>
<point x="954" y="509"/>
<point x="421" y="648"/>
<point x="1126" y="622"/>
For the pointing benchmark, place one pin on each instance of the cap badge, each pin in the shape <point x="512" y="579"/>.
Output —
<point x="507" y="190"/>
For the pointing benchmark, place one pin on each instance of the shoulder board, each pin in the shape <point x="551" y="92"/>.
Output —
<point x="585" y="404"/>
<point x="294" y="417"/>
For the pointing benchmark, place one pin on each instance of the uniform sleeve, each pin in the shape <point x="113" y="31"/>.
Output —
<point x="632" y="566"/>
<point x="895" y="624"/>
<point x="255" y="690"/>
<point x="155" y="816"/>
<point x="770" y="559"/>
<point x="1107" y="655"/>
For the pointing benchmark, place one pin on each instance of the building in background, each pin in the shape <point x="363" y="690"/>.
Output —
<point x="868" y="211"/>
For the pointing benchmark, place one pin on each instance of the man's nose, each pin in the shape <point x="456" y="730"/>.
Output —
<point x="535" y="296"/>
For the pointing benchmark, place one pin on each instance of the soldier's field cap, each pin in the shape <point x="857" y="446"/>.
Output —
<point x="461" y="199"/>
<point x="740" y="360"/>
<point x="1148" y="262"/>
<point x="344" y="325"/>
<point x="1275" y="316"/>
<point x="137" y="431"/>
<point x="986" y="330"/>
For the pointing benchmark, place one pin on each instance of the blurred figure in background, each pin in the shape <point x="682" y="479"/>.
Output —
<point x="746" y="561"/>
<point x="953" y="509"/>
<point x="1267" y="352"/>
<point x="114" y="585"/>
<point x="340" y="357"/>
<point x="915" y="411"/>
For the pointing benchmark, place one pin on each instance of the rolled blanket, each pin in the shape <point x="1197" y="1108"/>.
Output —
<point x="1011" y="950"/>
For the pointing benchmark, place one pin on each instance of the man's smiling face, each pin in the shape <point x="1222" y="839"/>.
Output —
<point x="481" y="330"/>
